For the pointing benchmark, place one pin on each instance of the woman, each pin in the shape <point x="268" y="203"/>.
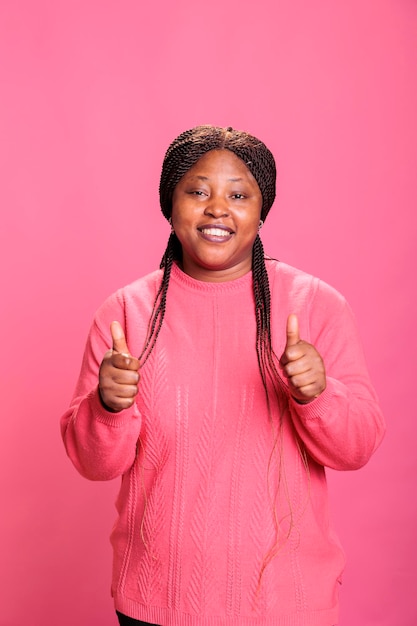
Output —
<point x="250" y="380"/>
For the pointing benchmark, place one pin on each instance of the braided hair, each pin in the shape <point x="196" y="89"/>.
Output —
<point x="191" y="145"/>
<point x="181" y="155"/>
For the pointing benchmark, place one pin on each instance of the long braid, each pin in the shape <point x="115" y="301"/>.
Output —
<point x="267" y="361"/>
<point x="266" y="356"/>
<point x="181" y="155"/>
<point x="172" y="252"/>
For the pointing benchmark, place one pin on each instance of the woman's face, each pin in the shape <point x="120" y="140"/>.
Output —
<point x="216" y="209"/>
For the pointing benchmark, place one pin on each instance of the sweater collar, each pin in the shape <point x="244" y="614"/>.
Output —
<point x="178" y="276"/>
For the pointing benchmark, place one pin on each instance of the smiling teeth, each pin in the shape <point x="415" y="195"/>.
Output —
<point x="216" y="232"/>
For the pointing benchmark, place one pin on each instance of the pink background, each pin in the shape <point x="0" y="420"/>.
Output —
<point x="92" y="94"/>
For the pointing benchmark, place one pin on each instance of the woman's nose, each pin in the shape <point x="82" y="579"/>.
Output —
<point x="217" y="207"/>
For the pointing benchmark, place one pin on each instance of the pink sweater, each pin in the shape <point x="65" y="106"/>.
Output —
<point x="195" y="453"/>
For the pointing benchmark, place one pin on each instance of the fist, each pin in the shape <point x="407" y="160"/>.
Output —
<point x="302" y="365"/>
<point x="119" y="373"/>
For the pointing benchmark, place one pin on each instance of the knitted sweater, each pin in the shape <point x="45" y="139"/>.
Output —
<point x="215" y="490"/>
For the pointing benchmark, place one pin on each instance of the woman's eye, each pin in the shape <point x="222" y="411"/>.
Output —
<point x="196" y="192"/>
<point x="238" y="196"/>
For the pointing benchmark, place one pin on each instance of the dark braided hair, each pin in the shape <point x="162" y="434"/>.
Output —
<point x="191" y="145"/>
<point x="181" y="155"/>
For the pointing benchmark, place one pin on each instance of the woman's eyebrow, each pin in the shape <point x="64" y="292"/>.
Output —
<point x="198" y="177"/>
<point x="201" y="177"/>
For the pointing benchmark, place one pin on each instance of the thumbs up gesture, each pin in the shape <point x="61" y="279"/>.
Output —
<point x="119" y="373"/>
<point x="302" y="365"/>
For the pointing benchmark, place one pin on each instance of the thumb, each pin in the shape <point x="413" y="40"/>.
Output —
<point x="119" y="339"/>
<point x="293" y="332"/>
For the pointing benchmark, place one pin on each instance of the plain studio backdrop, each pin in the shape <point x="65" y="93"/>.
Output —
<point x="92" y="93"/>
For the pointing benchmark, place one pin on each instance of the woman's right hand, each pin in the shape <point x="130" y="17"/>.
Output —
<point x="119" y="373"/>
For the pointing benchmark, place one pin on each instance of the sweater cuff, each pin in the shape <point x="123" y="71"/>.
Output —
<point x="320" y="406"/>
<point x="114" y="420"/>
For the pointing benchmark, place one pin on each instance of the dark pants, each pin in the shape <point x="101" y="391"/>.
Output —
<point x="124" y="620"/>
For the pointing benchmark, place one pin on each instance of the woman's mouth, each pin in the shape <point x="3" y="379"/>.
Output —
<point x="216" y="233"/>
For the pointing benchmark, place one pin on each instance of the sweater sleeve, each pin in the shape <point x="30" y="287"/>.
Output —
<point x="344" y="425"/>
<point x="101" y="444"/>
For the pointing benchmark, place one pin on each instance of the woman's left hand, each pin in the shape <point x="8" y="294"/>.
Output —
<point x="302" y="365"/>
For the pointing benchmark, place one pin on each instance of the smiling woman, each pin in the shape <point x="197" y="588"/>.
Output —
<point x="222" y="446"/>
<point x="216" y="210"/>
